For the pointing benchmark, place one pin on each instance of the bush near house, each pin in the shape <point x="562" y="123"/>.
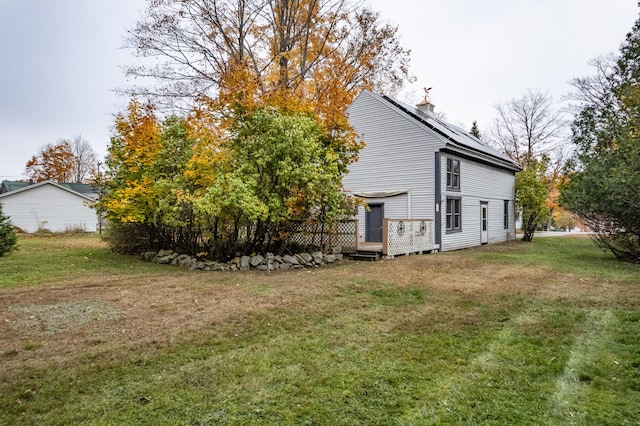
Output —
<point x="7" y="236"/>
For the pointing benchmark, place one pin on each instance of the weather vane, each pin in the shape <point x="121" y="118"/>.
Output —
<point x="426" y="92"/>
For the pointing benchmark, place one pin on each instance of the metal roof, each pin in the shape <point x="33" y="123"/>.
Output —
<point x="10" y="185"/>
<point x="81" y="189"/>
<point x="456" y="137"/>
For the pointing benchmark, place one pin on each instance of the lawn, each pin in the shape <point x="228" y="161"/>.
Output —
<point x="521" y="333"/>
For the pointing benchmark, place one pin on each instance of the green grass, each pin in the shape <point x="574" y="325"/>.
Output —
<point x="58" y="257"/>
<point x="377" y="347"/>
<point x="567" y="255"/>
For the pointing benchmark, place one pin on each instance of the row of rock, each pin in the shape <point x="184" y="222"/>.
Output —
<point x="245" y="263"/>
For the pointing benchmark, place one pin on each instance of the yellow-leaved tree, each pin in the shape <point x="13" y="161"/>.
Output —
<point x="129" y="185"/>
<point x="265" y="140"/>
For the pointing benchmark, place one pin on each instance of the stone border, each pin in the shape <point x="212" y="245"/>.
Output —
<point x="246" y="263"/>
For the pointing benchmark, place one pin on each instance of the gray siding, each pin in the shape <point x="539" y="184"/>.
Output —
<point x="478" y="183"/>
<point x="48" y="207"/>
<point x="394" y="207"/>
<point x="398" y="156"/>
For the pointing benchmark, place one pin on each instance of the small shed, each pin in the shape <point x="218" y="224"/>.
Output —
<point x="49" y="205"/>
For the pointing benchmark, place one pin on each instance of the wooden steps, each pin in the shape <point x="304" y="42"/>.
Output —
<point x="370" y="255"/>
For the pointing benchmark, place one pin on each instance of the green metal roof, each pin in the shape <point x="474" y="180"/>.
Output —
<point x="10" y="185"/>
<point x="81" y="188"/>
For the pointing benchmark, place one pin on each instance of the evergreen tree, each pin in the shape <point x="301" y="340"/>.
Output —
<point x="7" y="236"/>
<point x="605" y="175"/>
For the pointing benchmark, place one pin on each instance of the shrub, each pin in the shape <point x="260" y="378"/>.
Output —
<point x="7" y="236"/>
<point x="75" y="229"/>
<point x="130" y="238"/>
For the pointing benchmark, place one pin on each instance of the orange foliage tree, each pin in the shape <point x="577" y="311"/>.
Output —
<point x="559" y="217"/>
<point x="266" y="84"/>
<point x="52" y="162"/>
<point x="236" y="55"/>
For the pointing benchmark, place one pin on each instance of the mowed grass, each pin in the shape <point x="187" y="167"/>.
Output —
<point x="522" y="333"/>
<point x="41" y="259"/>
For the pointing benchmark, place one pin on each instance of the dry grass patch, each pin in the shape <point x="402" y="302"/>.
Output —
<point x="475" y="336"/>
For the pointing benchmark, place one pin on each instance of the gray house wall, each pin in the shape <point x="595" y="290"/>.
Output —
<point x="479" y="183"/>
<point x="392" y="139"/>
<point x="400" y="155"/>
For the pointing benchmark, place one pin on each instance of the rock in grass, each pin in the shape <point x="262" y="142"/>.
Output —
<point x="257" y="260"/>
<point x="245" y="263"/>
<point x="149" y="255"/>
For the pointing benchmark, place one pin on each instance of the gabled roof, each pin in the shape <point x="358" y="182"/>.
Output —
<point x="10" y="185"/>
<point x="63" y="186"/>
<point x="82" y="188"/>
<point x="456" y="139"/>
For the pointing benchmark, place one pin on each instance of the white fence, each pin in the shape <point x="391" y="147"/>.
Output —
<point x="405" y="236"/>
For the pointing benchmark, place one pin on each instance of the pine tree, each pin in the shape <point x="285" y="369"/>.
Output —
<point x="7" y="236"/>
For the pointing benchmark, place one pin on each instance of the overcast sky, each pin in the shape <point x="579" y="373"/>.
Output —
<point x="60" y="59"/>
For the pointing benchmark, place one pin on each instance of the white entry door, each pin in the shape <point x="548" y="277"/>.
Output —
<point x="484" y="228"/>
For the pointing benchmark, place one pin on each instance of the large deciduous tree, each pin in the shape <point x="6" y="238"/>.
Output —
<point x="68" y="160"/>
<point x="528" y="129"/>
<point x="605" y="173"/>
<point x="52" y="162"/>
<point x="84" y="161"/>
<point x="266" y="141"/>
<point x="247" y="51"/>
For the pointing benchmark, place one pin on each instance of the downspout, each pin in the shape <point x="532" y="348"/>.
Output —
<point x="438" y="202"/>
<point x="409" y="203"/>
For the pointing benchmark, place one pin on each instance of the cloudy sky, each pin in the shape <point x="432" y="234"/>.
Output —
<point x="60" y="59"/>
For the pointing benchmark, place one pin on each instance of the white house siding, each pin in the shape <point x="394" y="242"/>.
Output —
<point x="478" y="183"/>
<point x="48" y="207"/>
<point x="399" y="156"/>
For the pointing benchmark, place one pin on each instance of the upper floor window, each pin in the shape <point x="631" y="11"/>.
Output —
<point x="453" y="174"/>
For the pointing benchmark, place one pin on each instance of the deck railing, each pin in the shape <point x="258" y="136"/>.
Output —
<point x="406" y="236"/>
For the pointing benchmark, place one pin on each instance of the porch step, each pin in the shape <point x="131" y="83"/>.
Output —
<point x="365" y="255"/>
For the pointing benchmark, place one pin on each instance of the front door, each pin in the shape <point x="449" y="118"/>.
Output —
<point x="484" y="228"/>
<point x="373" y="223"/>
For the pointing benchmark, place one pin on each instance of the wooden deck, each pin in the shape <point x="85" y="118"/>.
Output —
<point x="377" y="247"/>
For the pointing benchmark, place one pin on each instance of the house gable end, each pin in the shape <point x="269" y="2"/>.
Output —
<point x="367" y="106"/>
<point x="39" y="184"/>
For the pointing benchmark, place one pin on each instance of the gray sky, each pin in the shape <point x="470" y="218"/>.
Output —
<point x="61" y="59"/>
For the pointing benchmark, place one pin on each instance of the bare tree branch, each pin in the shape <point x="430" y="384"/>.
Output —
<point x="528" y="128"/>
